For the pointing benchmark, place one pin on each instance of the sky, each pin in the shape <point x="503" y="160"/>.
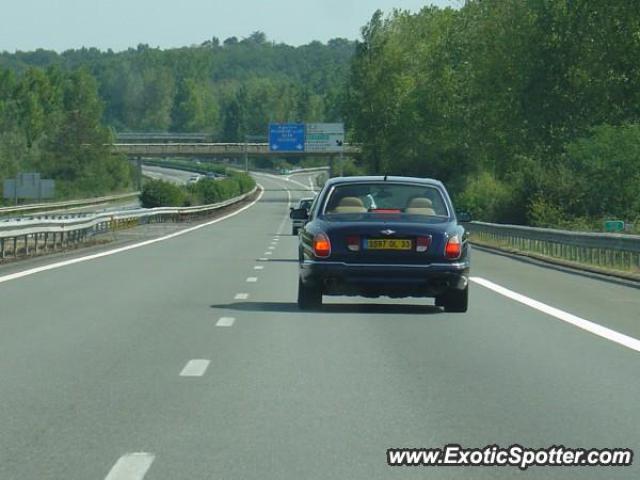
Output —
<point x="119" y="24"/>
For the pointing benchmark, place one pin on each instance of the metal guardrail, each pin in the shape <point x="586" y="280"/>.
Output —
<point x="69" y="203"/>
<point x="604" y="250"/>
<point x="29" y="237"/>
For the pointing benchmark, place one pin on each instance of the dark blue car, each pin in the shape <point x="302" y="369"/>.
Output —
<point x="383" y="236"/>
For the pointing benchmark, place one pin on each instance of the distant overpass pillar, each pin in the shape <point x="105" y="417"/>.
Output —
<point x="138" y="173"/>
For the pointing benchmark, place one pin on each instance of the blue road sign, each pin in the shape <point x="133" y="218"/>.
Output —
<point x="286" y="137"/>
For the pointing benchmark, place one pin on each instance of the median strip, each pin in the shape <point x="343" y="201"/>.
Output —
<point x="53" y="266"/>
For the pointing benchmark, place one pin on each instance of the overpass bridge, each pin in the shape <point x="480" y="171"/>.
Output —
<point x="224" y="150"/>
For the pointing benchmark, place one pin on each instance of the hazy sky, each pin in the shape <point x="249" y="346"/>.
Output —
<point x="119" y="24"/>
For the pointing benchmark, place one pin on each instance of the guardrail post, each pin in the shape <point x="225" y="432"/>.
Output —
<point x="15" y="247"/>
<point x="26" y="245"/>
<point x="1" y="248"/>
<point x="35" y="236"/>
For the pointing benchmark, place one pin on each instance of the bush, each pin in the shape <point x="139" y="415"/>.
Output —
<point x="487" y="198"/>
<point x="158" y="193"/>
<point x="208" y="191"/>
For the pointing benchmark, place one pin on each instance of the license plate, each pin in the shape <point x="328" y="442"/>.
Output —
<point x="388" y="244"/>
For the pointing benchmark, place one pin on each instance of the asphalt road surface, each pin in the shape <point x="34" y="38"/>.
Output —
<point x="179" y="177"/>
<point x="188" y="359"/>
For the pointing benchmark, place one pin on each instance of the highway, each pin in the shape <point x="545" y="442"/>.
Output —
<point x="179" y="177"/>
<point x="187" y="358"/>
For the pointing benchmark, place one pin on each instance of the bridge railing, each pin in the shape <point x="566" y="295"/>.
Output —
<point x="602" y="251"/>
<point x="216" y="149"/>
<point x="42" y="235"/>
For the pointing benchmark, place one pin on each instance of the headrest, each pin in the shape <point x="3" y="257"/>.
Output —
<point x="350" y="205"/>
<point x="420" y="202"/>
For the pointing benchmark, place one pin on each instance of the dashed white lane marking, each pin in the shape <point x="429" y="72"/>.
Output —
<point x="241" y="296"/>
<point x="268" y="253"/>
<point x="262" y="259"/>
<point x="53" y="266"/>
<point x="132" y="466"/>
<point x="225" y="322"/>
<point x="195" y="368"/>
<point x="258" y="267"/>
<point x="591" y="327"/>
<point x="252" y="279"/>
<point x="272" y="248"/>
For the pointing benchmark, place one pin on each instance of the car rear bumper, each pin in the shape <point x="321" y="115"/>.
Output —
<point x="340" y="278"/>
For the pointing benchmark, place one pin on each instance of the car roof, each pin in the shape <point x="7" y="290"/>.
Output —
<point x="389" y="178"/>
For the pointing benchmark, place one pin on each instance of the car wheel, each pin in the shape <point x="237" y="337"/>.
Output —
<point x="308" y="297"/>
<point x="294" y="231"/>
<point x="455" y="301"/>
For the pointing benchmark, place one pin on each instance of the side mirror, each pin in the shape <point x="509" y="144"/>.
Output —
<point x="463" y="216"/>
<point x="299" y="214"/>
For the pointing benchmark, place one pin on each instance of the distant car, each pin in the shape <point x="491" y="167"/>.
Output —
<point x="215" y="176"/>
<point x="304" y="203"/>
<point x="193" y="179"/>
<point x="409" y="244"/>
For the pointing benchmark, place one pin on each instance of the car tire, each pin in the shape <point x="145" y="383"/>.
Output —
<point x="294" y="231"/>
<point x="308" y="297"/>
<point x="455" y="301"/>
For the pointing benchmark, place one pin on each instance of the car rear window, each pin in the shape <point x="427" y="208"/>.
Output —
<point x="386" y="197"/>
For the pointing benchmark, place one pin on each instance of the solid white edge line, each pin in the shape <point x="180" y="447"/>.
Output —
<point x="195" y="368"/>
<point x="591" y="327"/>
<point x="225" y="322"/>
<point x="132" y="466"/>
<point x="53" y="266"/>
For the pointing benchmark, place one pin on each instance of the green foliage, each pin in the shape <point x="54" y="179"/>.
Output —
<point x="158" y="193"/>
<point x="508" y="103"/>
<point x="207" y="191"/>
<point x="227" y="90"/>
<point x="607" y="166"/>
<point x="50" y="122"/>
<point x="487" y="197"/>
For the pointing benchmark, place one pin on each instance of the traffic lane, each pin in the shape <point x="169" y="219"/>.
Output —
<point x="179" y="177"/>
<point x="609" y="304"/>
<point x="324" y="394"/>
<point x="89" y="363"/>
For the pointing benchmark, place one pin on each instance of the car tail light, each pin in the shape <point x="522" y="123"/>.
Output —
<point x="453" y="250"/>
<point x="321" y="245"/>
<point x="422" y="244"/>
<point x="353" y="243"/>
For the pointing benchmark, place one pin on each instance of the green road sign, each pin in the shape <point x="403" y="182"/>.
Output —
<point x="614" y="226"/>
